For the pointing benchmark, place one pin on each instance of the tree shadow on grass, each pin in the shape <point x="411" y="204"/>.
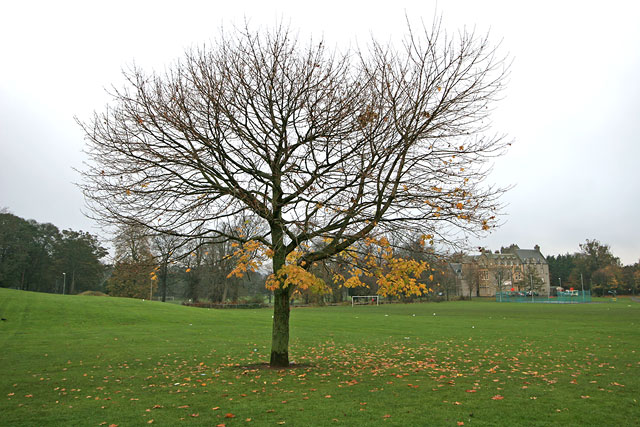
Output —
<point x="265" y="366"/>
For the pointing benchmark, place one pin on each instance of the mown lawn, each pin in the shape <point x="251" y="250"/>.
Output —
<point x="87" y="361"/>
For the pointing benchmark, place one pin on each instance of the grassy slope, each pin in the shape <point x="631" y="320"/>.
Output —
<point x="90" y="360"/>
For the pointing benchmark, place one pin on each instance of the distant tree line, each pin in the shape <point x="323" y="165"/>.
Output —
<point x="40" y="257"/>
<point x="596" y="268"/>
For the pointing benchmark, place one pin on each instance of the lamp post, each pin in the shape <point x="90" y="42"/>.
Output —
<point x="64" y="282"/>
<point x="582" y="283"/>
<point x="531" y="289"/>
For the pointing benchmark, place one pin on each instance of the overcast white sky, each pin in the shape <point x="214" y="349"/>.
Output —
<point x="572" y="105"/>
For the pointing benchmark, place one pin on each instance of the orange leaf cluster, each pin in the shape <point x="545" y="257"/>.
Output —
<point x="246" y="256"/>
<point x="296" y="276"/>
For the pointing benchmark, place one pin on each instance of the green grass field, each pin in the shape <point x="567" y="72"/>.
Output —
<point x="90" y="361"/>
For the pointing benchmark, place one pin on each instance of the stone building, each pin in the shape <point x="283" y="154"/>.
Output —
<point x="511" y="268"/>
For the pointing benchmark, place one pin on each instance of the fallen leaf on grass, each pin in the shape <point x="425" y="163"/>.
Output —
<point x="471" y="391"/>
<point x="497" y="397"/>
<point x="585" y="397"/>
<point x="229" y="415"/>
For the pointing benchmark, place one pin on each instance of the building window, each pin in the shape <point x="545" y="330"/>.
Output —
<point x="484" y="274"/>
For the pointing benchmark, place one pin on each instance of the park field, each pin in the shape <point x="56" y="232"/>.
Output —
<point x="91" y="361"/>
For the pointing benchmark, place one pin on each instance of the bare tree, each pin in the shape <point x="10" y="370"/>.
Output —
<point x="321" y="146"/>
<point x="165" y="248"/>
<point x="471" y="274"/>
<point x="133" y="268"/>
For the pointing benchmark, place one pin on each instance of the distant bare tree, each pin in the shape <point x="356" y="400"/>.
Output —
<point x="134" y="264"/>
<point x="165" y="249"/>
<point x="321" y="146"/>
<point x="471" y="274"/>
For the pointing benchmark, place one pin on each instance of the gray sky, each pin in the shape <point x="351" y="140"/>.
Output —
<point x="572" y="105"/>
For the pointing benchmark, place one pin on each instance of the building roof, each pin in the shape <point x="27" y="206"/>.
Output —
<point x="530" y="256"/>
<point x="507" y="258"/>
<point x="510" y="256"/>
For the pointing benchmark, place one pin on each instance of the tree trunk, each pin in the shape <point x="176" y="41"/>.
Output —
<point x="165" y="272"/>
<point x="281" y="307"/>
<point x="234" y="291"/>
<point x="224" y="291"/>
<point x="280" y="336"/>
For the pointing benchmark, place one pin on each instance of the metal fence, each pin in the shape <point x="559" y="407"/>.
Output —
<point x="569" y="297"/>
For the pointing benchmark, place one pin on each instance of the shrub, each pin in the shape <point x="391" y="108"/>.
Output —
<point x="94" y="294"/>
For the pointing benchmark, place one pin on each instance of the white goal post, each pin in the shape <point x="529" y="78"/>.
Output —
<point x="364" y="300"/>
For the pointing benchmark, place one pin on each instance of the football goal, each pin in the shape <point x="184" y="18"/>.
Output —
<point x="365" y="300"/>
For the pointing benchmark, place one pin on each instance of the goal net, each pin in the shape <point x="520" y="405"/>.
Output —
<point x="365" y="300"/>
